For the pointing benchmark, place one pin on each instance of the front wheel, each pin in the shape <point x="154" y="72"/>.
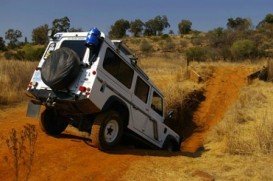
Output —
<point x="107" y="130"/>
<point x="52" y="123"/>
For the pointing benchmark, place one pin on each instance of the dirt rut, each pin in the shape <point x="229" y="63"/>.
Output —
<point x="221" y="91"/>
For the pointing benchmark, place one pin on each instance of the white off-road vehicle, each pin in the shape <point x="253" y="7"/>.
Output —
<point x="94" y="84"/>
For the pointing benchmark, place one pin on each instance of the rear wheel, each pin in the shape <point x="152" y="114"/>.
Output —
<point x="107" y="130"/>
<point x="170" y="145"/>
<point x="52" y="123"/>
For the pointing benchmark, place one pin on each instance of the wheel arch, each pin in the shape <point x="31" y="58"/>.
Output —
<point x="118" y="105"/>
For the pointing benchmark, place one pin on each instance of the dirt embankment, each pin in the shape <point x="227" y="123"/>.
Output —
<point x="221" y="91"/>
<point x="70" y="156"/>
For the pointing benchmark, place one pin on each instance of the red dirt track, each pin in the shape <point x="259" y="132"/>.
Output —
<point x="69" y="157"/>
<point x="221" y="91"/>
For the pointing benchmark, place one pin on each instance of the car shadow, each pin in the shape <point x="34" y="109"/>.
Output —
<point x="126" y="148"/>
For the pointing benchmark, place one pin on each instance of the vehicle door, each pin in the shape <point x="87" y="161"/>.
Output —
<point x="156" y="113"/>
<point x="139" y="107"/>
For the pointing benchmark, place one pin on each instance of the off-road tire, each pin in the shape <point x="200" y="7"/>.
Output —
<point x="170" y="145"/>
<point x="99" y="127"/>
<point x="52" y="123"/>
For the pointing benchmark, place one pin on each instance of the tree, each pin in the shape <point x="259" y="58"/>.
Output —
<point x="13" y="35"/>
<point x="2" y="44"/>
<point x="118" y="30"/>
<point x="171" y="32"/>
<point x="136" y="27"/>
<point x="266" y="21"/>
<point x="156" y="26"/>
<point x="239" y="24"/>
<point x="184" y="26"/>
<point x="61" y="25"/>
<point x="39" y="34"/>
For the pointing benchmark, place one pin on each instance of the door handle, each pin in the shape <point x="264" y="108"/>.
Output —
<point x="135" y="107"/>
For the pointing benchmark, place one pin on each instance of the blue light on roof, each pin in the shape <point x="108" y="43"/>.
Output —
<point x="92" y="38"/>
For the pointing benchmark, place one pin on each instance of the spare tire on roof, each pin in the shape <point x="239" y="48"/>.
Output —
<point x="60" y="69"/>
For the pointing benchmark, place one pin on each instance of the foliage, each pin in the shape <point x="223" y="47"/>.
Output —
<point x="136" y="27"/>
<point x="184" y="26"/>
<point x="33" y="53"/>
<point x="61" y="25"/>
<point x="28" y="52"/>
<point x="239" y="24"/>
<point x="171" y="32"/>
<point x="267" y="20"/>
<point x="196" y="54"/>
<point x="13" y="35"/>
<point x="39" y="35"/>
<point x="156" y="26"/>
<point x="243" y="49"/>
<point x="2" y="44"/>
<point x="145" y="46"/>
<point x="118" y="30"/>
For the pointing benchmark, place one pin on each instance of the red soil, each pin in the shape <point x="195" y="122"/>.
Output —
<point x="221" y="91"/>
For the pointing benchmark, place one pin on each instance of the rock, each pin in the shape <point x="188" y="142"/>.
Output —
<point x="203" y="175"/>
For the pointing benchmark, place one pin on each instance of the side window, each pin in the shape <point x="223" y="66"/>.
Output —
<point x="114" y="65"/>
<point x="142" y="90"/>
<point x="157" y="103"/>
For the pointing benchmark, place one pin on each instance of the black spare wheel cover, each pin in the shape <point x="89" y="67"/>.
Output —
<point x="61" y="68"/>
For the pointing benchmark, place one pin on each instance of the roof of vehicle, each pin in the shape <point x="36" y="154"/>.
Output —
<point x="114" y="44"/>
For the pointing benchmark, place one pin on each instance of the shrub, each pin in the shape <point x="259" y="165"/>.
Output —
<point x="165" y="36"/>
<point x="22" y="149"/>
<point x="243" y="49"/>
<point x="19" y="55"/>
<point x="9" y="55"/>
<point x="145" y="46"/>
<point x="33" y="53"/>
<point x="168" y="46"/>
<point x="196" y="54"/>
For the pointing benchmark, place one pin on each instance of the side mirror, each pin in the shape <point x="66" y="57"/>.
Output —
<point x="49" y="33"/>
<point x="170" y="114"/>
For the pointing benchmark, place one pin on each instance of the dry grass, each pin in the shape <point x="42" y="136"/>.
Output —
<point x="247" y="126"/>
<point x="14" y="78"/>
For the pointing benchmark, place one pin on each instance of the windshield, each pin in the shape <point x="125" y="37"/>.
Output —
<point x="77" y="45"/>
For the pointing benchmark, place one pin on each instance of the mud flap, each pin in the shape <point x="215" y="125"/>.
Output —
<point x="33" y="110"/>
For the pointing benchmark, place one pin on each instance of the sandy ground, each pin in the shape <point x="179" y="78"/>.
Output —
<point x="69" y="156"/>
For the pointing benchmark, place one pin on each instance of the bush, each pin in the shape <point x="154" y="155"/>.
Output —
<point x="168" y="46"/>
<point x="145" y="46"/>
<point x="165" y="36"/>
<point x="33" y="53"/>
<point x="196" y="54"/>
<point x="9" y="55"/>
<point x="243" y="49"/>
<point x="19" y="55"/>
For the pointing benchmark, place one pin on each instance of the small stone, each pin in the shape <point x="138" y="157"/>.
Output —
<point x="203" y="175"/>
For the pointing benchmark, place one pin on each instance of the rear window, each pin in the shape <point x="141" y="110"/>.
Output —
<point x="77" y="45"/>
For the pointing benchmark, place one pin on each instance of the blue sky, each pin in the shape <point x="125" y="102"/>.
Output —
<point x="205" y="14"/>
